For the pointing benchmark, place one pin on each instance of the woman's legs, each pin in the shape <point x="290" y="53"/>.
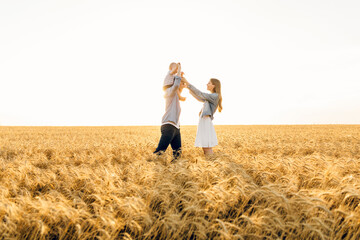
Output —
<point x="206" y="136"/>
<point x="208" y="151"/>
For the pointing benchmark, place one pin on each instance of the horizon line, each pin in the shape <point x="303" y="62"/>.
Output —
<point x="297" y="124"/>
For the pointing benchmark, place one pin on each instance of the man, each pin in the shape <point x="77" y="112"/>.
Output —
<point x="170" y="124"/>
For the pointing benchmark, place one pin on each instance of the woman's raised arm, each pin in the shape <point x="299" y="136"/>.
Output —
<point x="201" y="96"/>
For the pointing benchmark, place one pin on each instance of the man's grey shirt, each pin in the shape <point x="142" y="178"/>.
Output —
<point x="172" y="103"/>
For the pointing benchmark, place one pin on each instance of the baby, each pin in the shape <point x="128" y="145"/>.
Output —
<point x="173" y="67"/>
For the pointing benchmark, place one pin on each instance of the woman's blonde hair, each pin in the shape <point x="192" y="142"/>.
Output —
<point x="217" y="89"/>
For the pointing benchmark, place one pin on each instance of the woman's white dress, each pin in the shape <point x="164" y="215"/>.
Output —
<point x="206" y="135"/>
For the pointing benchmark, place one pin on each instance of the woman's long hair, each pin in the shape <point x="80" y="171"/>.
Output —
<point x="217" y="89"/>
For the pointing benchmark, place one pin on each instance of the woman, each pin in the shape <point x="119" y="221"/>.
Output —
<point x="206" y="135"/>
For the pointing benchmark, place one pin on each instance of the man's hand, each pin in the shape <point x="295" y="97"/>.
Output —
<point x="179" y="70"/>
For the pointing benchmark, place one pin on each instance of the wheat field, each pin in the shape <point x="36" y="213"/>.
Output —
<point x="264" y="182"/>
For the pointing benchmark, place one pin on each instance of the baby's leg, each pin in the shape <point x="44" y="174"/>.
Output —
<point x="181" y="98"/>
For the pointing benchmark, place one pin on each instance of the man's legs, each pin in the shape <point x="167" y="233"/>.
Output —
<point x="167" y="135"/>
<point x="176" y="144"/>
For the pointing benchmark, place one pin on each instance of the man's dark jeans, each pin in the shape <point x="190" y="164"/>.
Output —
<point x="169" y="135"/>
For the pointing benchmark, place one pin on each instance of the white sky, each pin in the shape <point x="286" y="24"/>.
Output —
<point x="75" y="62"/>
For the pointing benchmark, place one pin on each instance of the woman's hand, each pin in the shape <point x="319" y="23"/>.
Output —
<point x="182" y="85"/>
<point x="185" y="81"/>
